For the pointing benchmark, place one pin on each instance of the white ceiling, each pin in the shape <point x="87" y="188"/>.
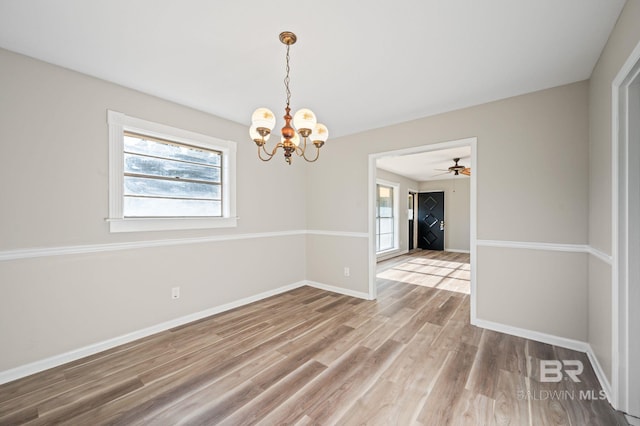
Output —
<point x="357" y="65"/>
<point x="426" y="166"/>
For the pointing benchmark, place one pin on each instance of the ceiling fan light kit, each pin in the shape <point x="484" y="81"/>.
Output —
<point x="306" y="126"/>
<point x="458" y="169"/>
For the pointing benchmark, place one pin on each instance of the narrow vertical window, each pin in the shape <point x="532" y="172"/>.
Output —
<point x="385" y="218"/>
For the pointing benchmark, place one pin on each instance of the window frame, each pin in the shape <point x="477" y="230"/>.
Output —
<point x="118" y="123"/>
<point x="395" y="188"/>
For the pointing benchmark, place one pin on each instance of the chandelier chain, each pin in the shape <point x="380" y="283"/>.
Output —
<point x="286" y="79"/>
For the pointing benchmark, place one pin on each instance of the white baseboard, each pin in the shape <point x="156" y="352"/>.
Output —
<point x="340" y="290"/>
<point x="57" y="360"/>
<point x="633" y="421"/>
<point x="550" y="339"/>
<point x="602" y="377"/>
<point x="457" y="251"/>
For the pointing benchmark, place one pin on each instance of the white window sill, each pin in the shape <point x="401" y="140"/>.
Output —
<point x="170" y="223"/>
<point x="388" y="253"/>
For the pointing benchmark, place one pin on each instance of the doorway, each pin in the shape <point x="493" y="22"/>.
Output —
<point x="372" y="172"/>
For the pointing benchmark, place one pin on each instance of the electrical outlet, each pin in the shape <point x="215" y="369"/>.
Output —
<point x="347" y="272"/>
<point x="175" y="293"/>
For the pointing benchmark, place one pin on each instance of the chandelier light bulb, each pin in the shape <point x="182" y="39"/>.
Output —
<point x="320" y="133"/>
<point x="304" y="119"/>
<point x="263" y="117"/>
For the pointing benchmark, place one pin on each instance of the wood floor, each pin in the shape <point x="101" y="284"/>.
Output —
<point x="313" y="357"/>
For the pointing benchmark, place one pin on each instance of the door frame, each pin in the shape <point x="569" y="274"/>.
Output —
<point x="414" y="232"/>
<point x="620" y="284"/>
<point x="372" y="172"/>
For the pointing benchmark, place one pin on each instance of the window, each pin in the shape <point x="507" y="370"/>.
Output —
<point x="386" y="217"/>
<point x="162" y="177"/>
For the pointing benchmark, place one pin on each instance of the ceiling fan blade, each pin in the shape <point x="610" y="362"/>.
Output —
<point x="440" y="174"/>
<point x="466" y="171"/>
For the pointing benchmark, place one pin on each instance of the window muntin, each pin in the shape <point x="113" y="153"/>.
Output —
<point x="168" y="179"/>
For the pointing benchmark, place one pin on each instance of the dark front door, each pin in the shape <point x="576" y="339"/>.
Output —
<point x="431" y="220"/>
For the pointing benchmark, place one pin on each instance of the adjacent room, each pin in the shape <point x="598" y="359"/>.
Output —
<point x="409" y="212"/>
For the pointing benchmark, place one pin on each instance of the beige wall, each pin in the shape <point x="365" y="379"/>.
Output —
<point x="326" y="261"/>
<point x="623" y="39"/>
<point x="530" y="298"/>
<point x="532" y="178"/>
<point x="457" y="210"/>
<point x="54" y="192"/>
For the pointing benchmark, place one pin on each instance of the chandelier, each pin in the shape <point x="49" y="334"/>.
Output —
<point x="304" y="120"/>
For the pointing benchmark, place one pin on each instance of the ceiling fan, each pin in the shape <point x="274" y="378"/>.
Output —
<point x="457" y="169"/>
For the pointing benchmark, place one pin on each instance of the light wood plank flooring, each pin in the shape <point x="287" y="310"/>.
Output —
<point x="313" y="357"/>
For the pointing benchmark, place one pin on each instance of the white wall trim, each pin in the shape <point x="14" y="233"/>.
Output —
<point x="602" y="377"/>
<point x="56" y="360"/>
<point x="96" y="248"/>
<point x="575" y="248"/>
<point x="572" y="248"/>
<point x="338" y="233"/>
<point x="550" y="339"/>
<point x="600" y="255"/>
<point x="339" y="290"/>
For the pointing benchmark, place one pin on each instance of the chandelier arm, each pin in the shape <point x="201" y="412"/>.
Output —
<point x="316" y="157"/>
<point x="300" y="150"/>
<point x="269" y="155"/>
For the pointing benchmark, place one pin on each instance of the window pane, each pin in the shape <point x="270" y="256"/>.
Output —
<point x="139" y="145"/>
<point x="386" y="242"/>
<point x="386" y="212"/>
<point x="386" y="225"/>
<point x="170" y="188"/>
<point x="162" y="207"/>
<point x="168" y="168"/>
<point x="385" y="202"/>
